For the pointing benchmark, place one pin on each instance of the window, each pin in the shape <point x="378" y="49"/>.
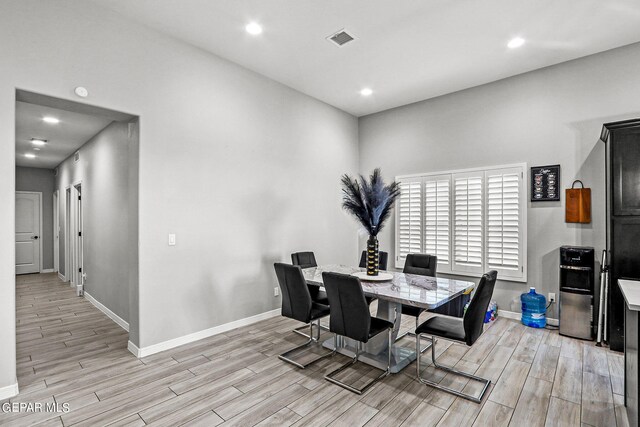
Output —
<point x="473" y="220"/>
<point x="409" y="222"/>
<point x="436" y="217"/>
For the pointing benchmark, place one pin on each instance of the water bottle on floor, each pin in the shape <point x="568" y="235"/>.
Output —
<point x="534" y="309"/>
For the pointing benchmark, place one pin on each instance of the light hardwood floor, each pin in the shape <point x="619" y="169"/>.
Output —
<point x="69" y="352"/>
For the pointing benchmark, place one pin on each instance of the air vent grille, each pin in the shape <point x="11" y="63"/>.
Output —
<point x="76" y="156"/>
<point x="341" y="38"/>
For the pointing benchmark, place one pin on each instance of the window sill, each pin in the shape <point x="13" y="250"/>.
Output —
<point x="474" y="275"/>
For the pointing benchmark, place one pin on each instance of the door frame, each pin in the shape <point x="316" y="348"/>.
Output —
<point x="78" y="231"/>
<point x="56" y="231"/>
<point x="40" y="238"/>
<point x="67" y="235"/>
<point x="74" y="251"/>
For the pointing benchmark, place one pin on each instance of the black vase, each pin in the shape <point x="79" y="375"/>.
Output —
<point x="373" y="258"/>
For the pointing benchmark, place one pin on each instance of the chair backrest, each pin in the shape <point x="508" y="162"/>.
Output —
<point x="296" y="300"/>
<point x="350" y="315"/>
<point x="382" y="260"/>
<point x="304" y="259"/>
<point x="473" y="320"/>
<point x="422" y="264"/>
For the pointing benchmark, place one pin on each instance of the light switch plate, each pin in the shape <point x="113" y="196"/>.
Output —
<point x="276" y="291"/>
<point x="172" y="239"/>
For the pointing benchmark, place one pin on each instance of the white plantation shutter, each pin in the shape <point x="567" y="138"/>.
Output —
<point x="474" y="220"/>
<point x="504" y="221"/>
<point x="437" y="229"/>
<point x="467" y="222"/>
<point x="409" y="224"/>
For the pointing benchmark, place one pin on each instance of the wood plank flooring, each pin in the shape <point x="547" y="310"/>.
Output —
<point x="69" y="352"/>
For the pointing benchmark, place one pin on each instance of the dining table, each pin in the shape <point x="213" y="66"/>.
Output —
<point x="409" y="289"/>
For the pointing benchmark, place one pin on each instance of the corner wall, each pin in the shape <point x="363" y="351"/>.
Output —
<point x="103" y="168"/>
<point x="545" y="117"/>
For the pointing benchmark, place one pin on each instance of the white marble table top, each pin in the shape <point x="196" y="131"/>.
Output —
<point x="409" y="289"/>
<point x="631" y="292"/>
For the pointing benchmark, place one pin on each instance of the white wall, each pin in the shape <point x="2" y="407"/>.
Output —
<point x="549" y="116"/>
<point x="243" y="169"/>
<point x="103" y="169"/>
<point x="42" y="181"/>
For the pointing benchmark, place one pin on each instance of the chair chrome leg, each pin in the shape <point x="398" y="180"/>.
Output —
<point x="300" y="330"/>
<point x="312" y="341"/>
<point x="329" y="376"/>
<point x="412" y="334"/>
<point x="451" y="370"/>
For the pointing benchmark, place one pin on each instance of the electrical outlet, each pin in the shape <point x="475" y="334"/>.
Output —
<point x="276" y="291"/>
<point x="552" y="297"/>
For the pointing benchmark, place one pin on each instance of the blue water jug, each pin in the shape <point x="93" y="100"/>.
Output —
<point x="534" y="309"/>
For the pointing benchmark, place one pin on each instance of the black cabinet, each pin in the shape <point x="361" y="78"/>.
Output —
<point x="624" y="264"/>
<point x="623" y="218"/>
<point x="625" y="157"/>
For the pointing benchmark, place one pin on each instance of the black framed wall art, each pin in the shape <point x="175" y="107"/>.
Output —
<point x="545" y="183"/>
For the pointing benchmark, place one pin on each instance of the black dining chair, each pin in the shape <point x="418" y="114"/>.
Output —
<point x="466" y="330"/>
<point x="297" y="304"/>
<point x="383" y="257"/>
<point x="350" y="318"/>
<point x="308" y="260"/>
<point x="382" y="265"/>
<point x="304" y="259"/>
<point x="423" y="265"/>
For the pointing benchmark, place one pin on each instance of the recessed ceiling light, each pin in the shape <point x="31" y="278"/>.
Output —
<point x="38" y="141"/>
<point x="515" y="42"/>
<point x="51" y="120"/>
<point x="253" y="28"/>
<point x="30" y="156"/>
<point x="366" y="91"/>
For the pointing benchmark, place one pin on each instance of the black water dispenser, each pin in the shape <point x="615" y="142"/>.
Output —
<point x="577" y="285"/>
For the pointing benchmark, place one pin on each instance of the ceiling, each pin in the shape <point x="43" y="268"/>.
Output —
<point x="405" y="51"/>
<point x="78" y="123"/>
<point x="63" y="139"/>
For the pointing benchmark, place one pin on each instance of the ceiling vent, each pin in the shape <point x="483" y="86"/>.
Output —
<point x="341" y="38"/>
<point x="76" y="156"/>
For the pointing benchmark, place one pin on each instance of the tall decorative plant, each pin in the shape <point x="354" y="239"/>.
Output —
<point x="370" y="202"/>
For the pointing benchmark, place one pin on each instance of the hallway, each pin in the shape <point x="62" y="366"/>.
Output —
<point x="61" y="339"/>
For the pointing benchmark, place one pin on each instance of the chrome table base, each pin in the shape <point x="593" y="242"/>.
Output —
<point x="374" y="352"/>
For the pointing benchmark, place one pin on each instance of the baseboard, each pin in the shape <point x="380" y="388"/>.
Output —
<point x="186" y="339"/>
<point x="48" y="270"/>
<point x="120" y="321"/>
<point x="134" y="349"/>
<point x="61" y="277"/>
<point x="517" y="316"/>
<point x="9" y="391"/>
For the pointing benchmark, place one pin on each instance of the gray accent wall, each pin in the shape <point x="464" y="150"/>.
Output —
<point x="42" y="181"/>
<point x="545" y="117"/>
<point x="244" y="170"/>
<point x="104" y="171"/>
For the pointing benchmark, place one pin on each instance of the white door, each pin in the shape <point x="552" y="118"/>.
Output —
<point x="28" y="232"/>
